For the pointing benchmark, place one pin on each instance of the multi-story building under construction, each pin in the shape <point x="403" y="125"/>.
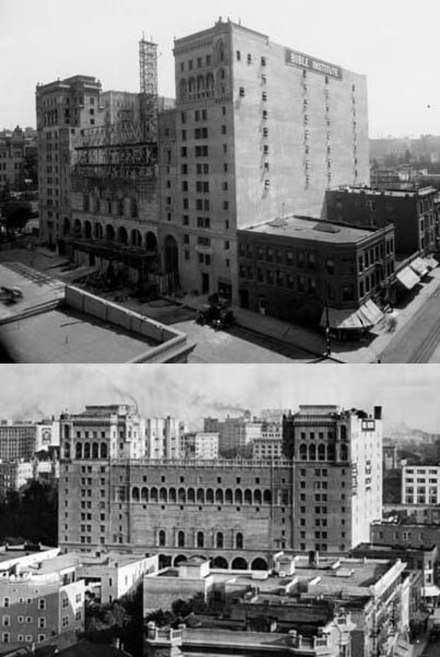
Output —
<point x="321" y="495"/>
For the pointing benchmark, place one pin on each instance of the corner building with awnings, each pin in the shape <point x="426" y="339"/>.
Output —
<point x="313" y="272"/>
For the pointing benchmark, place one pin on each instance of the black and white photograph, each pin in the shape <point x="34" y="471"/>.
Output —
<point x="248" y="512"/>
<point x="219" y="182"/>
<point x="219" y="329"/>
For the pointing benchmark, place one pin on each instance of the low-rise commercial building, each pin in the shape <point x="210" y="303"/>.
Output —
<point x="412" y="212"/>
<point x="331" y="607"/>
<point x="310" y="271"/>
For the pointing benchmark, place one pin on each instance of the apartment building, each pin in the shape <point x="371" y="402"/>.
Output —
<point x="39" y="601"/>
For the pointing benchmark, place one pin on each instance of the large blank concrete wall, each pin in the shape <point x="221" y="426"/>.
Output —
<point x="109" y="312"/>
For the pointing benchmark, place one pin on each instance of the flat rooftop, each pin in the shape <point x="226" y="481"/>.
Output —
<point x="18" y="551"/>
<point x="58" y="323"/>
<point x="397" y="193"/>
<point x="63" y="336"/>
<point x="350" y="572"/>
<point x="310" y="229"/>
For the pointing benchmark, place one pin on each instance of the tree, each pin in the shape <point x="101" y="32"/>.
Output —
<point x="15" y="214"/>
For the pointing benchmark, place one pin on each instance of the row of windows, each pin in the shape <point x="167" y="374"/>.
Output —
<point x="6" y="620"/>
<point x="199" y="63"/>
<point x="202" y="496"/>
<point x="311" y="452"/>
<point x="91" y="450"/>
<point x="111" y="206"/>
<point x="300" y="259"/>
<point x="28" y="601"/>
<point x="21" y="638"/>
<point x="200" y="540"/>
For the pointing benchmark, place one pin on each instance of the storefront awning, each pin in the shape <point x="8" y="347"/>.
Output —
<point x="419" y="266"/>
<point x="371" y="312"/>
<point x="408" y="278"/>
<point x="431" y="591"/>
<point x="354" y="319"/>
<point x="431" y="262"/>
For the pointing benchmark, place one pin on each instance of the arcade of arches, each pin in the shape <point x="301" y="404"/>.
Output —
<point x="219" y="561"/>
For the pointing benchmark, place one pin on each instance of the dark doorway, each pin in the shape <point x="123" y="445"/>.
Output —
<point x="244" y="298"/>
<point x="205" y="283"/>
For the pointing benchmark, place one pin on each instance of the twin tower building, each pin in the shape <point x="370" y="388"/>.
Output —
<point x="321" y="495"/>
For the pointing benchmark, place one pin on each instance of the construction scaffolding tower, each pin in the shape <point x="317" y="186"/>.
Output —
<point x="148" y="88"/>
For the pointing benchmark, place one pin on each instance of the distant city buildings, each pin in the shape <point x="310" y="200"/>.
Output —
<point x="18" y="151"/>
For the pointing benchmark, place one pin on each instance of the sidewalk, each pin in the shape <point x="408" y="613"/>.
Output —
<point x="313" y="341"/>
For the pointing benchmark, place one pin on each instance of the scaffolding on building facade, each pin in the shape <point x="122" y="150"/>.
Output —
<point x="148" y="87"/>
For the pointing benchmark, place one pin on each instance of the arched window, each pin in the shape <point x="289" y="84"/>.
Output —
<point x="267" y="497"/>
<point x="209" y="496"/>
<point x="86" y="450"/>
<point x="144" y="494"/>
<point x="162" y="538"/>
<point x="181" y="495"/>
<point x="330" y="452"/>
<point x="172" y="495"/>
<point x="210" y="83"/>
<point x="238" y="497"/>
<point x="257" y="497"/>
<point x="200" y="83"/>
<point x="191" y="85"/>
<point x="191" y="495"/>
<point x="181" y="539"/>
<point x="121" y="207"/>
<point x="219" y="540"/>
<point x="239" y="541"/>
<point x="344" y="453"/>
<point x="200" y="495"/>
<point x="200" y="539"/>
<point x="248" y="496"/>
<point x="103" y="450"/>
<point x="219" y="496"/>
<point x="78" y="451"/>
<point x="163" y="495"/>
<point x="153" y="494"/>
<point x="228" y="496"/>
<point x="95" y="450"/>
<point x="135" y="494"/>
<point x="343" y="432"/>
<point x="312" y="452"/>
<point x="321" y="452"/>
<point x="303" y="452"/>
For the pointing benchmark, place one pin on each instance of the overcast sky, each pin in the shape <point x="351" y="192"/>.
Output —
<point x="408" y="393"/>
<point x="394" y="42"/>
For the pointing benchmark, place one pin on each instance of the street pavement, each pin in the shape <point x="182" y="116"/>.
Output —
<point x="262" y="339"/>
